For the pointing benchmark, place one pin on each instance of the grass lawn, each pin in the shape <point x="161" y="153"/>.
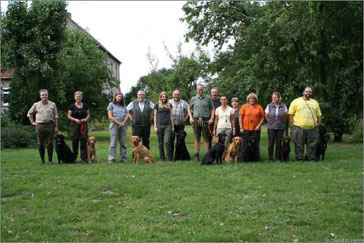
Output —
<point x="182" y="201"/>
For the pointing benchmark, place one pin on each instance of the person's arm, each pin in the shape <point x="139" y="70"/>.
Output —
<point x="212" y="115"/>
<point x="290" y="120"/>
<point x="171" y="116"/>
<point x="112" y="118"/>
<point x="215" y="124"/>
<point x="30" y="115"/>
<point x="241" y="117"/>
<point x="232" y="121"/>
<point x="55" y="124"/>
<point x="155" y="120"/>
<point x="72" y="118"/>
<point x="87" y="116"/>
<point x="190" y="115"/>
<point x="260" y="123"/>
<point x="319" y="120"/>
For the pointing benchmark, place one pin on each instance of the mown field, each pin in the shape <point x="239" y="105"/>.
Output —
<point x="182" y="201"/>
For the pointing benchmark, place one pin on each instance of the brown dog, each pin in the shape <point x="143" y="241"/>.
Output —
<point x="232" y="152"/>
<point x="91" y="149"/>
<point x="140" y="151"/>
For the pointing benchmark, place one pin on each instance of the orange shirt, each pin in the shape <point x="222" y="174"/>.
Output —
<point x="251" y="116"/>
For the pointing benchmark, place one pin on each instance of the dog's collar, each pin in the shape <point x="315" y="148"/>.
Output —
<point x="220" y="143"/>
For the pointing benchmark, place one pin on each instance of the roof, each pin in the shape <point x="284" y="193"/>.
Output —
<point x="6" y="74"/>
<point x="97" y="42"/>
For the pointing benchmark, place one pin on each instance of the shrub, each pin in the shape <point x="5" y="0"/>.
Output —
<point x="14" y="135"/>
<point x="357" y="134"/>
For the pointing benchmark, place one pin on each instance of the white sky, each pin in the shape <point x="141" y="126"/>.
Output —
<point x="128" y="28"/>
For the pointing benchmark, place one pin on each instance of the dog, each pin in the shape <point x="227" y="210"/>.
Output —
<point x="322" y="146"/>
<point x="285" y="149"/>
<point x="64" y="153"/>
<point x="91" y="149"/>
<point x="248" y="150"/>
<point x="181" y="149"/>
<point x="233" y="150"/>
<point x="140" y="151"/>
<point x="216" y="152"/>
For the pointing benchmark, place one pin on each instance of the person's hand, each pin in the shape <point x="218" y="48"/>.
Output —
<point x="156" y="129"/>
<point x="241" y="130"/>
<point x="172" y="129"/>
<point x="291" y="124"/>
<point x="234" y="132"/>
<point x="183" y="120"/>
<point x="210" y="121"/>
<point x="83" y="120"/>
<point x="257" y="128"/>
<point x="78" y="121"/>
<point x="121" y="124"/>
<point x="35" y="123"/>
<point x="191" y="121"/>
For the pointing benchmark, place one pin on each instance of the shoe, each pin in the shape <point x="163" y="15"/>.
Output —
<point x="50" y="162"/>
<point x="197" y="157"/>
<point x="123" y="161"/>
<point x="110" y="162"/>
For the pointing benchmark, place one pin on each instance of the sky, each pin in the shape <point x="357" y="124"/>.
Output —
<point x="128" y="29"/>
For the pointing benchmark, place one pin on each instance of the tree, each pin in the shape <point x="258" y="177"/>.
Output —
<point x="285" y="46"/>
<point x="44" y="54"/>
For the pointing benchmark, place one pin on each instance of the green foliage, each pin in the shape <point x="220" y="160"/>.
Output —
<point x="357" y="134"/>
<point x="44" y="54"/>
<point x="15" y="135"/>
<point x="286" y="46"/>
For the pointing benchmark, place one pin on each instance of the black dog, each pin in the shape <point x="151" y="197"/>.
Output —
<point x="216" y="152"/>
<point x="64" y="153"/>
<point x="181" y="149"/>
<point x="286" y="148"/>
<point x="248" y="150"/>
<point x="322" y="146"/>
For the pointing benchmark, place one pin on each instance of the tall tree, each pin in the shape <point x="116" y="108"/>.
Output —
<point x="285" y="46"/>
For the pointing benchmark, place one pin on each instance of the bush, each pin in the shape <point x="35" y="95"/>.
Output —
<point x="14" y="135"/>
<point x="357" y="134"/>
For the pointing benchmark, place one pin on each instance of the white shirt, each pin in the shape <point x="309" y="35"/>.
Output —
<point x="267" y="110"/>
<point x="224" y="117"/>
<point x="140" y="104"/>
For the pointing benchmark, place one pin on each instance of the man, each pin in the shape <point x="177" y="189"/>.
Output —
<point x="201" y="112"/>
<point x="46" y="123"/>
<point x="305" y="118"/>
<point x="180" y="114"/>
<point x="217" y="103"/>
<point x="140" y="112"/>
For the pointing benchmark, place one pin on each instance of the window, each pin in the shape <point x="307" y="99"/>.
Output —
<point x="5" y="91"/>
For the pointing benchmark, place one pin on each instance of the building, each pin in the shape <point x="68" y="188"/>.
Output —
<point x="112" y="62"/>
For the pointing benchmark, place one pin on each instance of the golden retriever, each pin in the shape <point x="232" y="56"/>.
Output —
<point x="232" y="152"/>
<point x="91" y="149"/>
<point x="140" y="151"/>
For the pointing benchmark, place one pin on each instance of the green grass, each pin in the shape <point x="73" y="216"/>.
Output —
<point x="182" y="201"/>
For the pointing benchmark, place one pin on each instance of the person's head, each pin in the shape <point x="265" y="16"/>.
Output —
<point x="200" y="89"/>
<point x="307" y="93"/>
<point x="223" y="99"/>
<point x="214" y="93"/>
<point x="43" y="93"/>
<point x="78" y="96"/>
<point x="141" y="96"/>
<point x="252" y="99"/>
<point x="163" y="100"/>
<point x="276" y="97"/>
<point x="235" y="102"/>
<point x="176" y="95"/>
<point x="119" y="99"/>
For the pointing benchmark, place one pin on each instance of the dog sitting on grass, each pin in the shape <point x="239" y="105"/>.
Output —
<point x="286" y="148"/>
<point x="233" y="150"/>
<point x="64" y="153"/>
<point x="91" y="149"/>
<point x="181" y="149"/>
<point x="322" y="146"/>
<point x="216" y="152"/>
<point x="248" y="150"/>
<point x="140" y="151"/>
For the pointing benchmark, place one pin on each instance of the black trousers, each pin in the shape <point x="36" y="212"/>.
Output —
<point x="143" y="132"/>
<point x="75" y="142"/>
<point x="275" y="136"/>
<point x="177" y="128"/>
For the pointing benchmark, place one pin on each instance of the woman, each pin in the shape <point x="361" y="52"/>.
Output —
<point x="251" y="119"/>
<point x="118" y="116"/>
<point x="163" y="125"/>
<point x="79" y="114"/>
<point x="224" y="120"/>
<point x="276" y="115"/>
<point x="235" y="105"/>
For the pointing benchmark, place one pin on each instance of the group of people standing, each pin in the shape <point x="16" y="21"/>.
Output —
<point x="208" y="115"/>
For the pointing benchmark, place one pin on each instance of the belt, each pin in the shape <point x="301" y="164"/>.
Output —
<point x="204" y="119"/>
<point x="45" y="123"/>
